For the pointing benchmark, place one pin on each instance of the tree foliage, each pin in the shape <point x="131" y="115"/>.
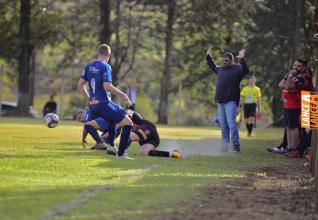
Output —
<point x="65" y="34"/>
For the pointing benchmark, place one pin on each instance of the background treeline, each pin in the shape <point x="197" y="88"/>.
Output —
<point x="158" y="47"/>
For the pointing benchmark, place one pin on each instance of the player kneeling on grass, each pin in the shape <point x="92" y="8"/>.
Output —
<point x="144" y="132"/>
<point x="98" y="123"/>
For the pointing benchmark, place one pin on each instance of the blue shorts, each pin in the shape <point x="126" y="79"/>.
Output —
<point x="110" y="112"/>
<point x="102" y="123"/>
<point x="88" y="116"/>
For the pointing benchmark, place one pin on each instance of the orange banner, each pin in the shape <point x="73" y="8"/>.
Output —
<point x="309" y="110"/>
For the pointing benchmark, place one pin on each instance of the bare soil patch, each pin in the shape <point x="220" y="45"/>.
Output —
<point x="284" y="193"/>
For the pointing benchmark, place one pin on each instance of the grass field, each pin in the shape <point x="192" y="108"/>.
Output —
<point x="45" y="174"/>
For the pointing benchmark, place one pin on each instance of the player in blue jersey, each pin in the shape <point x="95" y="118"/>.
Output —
<point x="97" y="76"/>
<point x="100" y="124"/>
<point x="144" y="132"/>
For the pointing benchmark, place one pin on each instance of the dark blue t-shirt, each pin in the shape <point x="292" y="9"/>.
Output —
<point x="96" y="73"/>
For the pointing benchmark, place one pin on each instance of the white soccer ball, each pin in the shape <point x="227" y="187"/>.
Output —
<point x="51" y="120"/>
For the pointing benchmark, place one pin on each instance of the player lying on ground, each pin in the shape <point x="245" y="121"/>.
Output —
<point x="144" y="132"/>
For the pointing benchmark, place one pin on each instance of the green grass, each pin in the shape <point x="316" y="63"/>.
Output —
<point x="43" y="170"/>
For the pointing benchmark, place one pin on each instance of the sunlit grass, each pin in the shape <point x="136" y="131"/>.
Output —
<point x="42" y="169"/>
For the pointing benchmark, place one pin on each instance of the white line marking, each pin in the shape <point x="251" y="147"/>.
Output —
<point x="64" y="208"/>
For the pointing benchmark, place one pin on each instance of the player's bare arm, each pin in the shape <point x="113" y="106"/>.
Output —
<point x="282" y="83"/>
<point x="288" y="84"/>
<point x="258" y="103"/>
<point x="84" y="135"/>
<point x="81" y="86"/>
<point x="114" y="91"/>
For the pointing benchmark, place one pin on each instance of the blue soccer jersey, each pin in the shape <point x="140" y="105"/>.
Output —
<point x="96" y="73"/>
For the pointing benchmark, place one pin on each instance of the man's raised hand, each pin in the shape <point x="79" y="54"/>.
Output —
<point x="209" y="51"/>
<point x="241" y="54"/>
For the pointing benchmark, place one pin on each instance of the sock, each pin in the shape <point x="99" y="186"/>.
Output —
<point x="158" y="153"/>
<point x="111" y="135"/>
<point x="93" y="132"/>
<point x="248" y="126"/>
<point x="124" y="140"/>
<point x="117" y="132"/>
<point x="251" y="127"/>
<point x="284" y="144"/>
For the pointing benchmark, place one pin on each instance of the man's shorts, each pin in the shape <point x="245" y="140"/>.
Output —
<point x="147" y="134"/>
<point x="110" y="111"/>
<point x="292" y="117"/>
<point x="249" y="110"/>
<point x="102" y="123"/>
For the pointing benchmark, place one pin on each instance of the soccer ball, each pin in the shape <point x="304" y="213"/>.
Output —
<point x="51" y="120"/>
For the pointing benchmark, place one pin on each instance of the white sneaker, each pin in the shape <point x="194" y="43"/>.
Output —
<point x="125" y="154"/>
<point x="112" y="149"/>
<point x="124" y="157"/>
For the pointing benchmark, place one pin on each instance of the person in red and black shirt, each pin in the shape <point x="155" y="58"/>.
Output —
<point x="145" y="133"/>
<point x="299" y="78"/>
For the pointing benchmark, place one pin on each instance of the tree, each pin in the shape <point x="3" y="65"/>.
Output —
<point x="24" y="58"/>
<point x="165" y="81"/>
<point x="37" y="27"/>
<point x="104" y="22"/>
<point x="127" y="26"/>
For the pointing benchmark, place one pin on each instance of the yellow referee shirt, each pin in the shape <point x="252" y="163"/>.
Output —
<point x="250" y="94"/>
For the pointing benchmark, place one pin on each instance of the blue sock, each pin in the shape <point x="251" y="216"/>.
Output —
<point x="117" y="133"/>
<point x="124" y="140"/>
<point x="93" y="132"/>
<point x="111" y="135"/>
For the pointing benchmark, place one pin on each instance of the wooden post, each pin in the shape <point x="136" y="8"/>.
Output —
<point x="314" y="162"/>
<point x="1" y="86"/>
<point x="314" y="136"/>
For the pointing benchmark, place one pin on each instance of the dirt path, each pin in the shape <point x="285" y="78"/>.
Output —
<point x="284" y="193"/>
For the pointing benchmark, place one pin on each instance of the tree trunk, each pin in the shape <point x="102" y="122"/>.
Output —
<point x="298" y="27"/>
<point x="24" y="58"/>
<point x="32" y="78"/>
<point x="165" y="81"/>
<point x="314" y="137"/>
<point x="104" y="22"/>
<point x="116" y="50"/>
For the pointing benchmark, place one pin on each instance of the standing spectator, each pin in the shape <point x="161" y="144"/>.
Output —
<point x="229" y="77"/>
<point x="250" y="96"/>
<point x="299" y="78"/>
<point x="50" y="106"/>
<point x="132" y="94"/>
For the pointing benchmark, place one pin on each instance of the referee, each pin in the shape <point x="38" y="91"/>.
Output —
<point x="250" y="96"/>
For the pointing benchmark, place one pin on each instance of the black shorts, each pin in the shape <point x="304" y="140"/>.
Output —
<point x="147" y="134"/>
<point x="249" y="110"/>
<point x="292" y="117"/>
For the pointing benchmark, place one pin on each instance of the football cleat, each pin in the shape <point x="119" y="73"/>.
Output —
<point x="176" y="154"/>
<point x="112" y="150"/>
<point x="99" y="146"/>
<point x="124" y="157"/>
